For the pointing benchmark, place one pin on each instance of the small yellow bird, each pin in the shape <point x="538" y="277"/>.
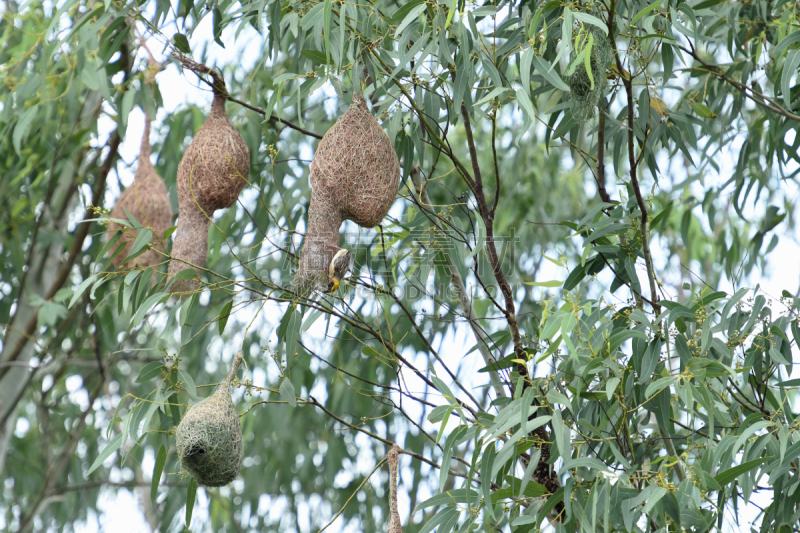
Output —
<point x="339" y="266"/>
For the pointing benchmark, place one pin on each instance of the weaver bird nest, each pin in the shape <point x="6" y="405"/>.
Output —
<point x="586" y="91"/>
<point x="147" y="200"/>
<point x="211" y="174"/>
<point x="210" y="436"/>
<point x="355" y="175"/>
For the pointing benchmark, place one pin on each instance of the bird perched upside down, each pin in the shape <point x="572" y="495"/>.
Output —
<point x="339" y="266"/>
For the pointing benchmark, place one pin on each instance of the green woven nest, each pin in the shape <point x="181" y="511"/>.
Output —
<point x="209" y="438"/>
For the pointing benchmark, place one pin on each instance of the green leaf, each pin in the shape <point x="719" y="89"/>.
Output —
<point x="652" y="7"/>
<point x="22" y="127"/>
<point x="187" y="273"/>
<point x="447" y="453"/>
<point x="553" y="324"/>
<point x="182" y="43"/>
<point x="316" y="56"/>
<point x="529" y="113"/>
<point x="554" y="283"/>
<point x="584" y="462"/>
<point x="556" y="397"/>
<point x="525" y="70"/>
<point x="575" y="277"/>
<point x="589" y="19"/>
<point x="480" y="234"/>
<point x="142" y="240"/>
<point x="549" y="73"/>
<point x="312" y="18"/>
<point x="287" y="392"/>
<point x="552" y="501"/>
<point x="505" y="362"/>
<point x="611" y="386"/>
<point x="150" y="371"/>
<point x="188" y="382"/>
<point x="442" y="517"/>
<point x="532" y="490"/>
<point x="112" y="446"/>
<point x="789" y="70"/>
<point x="125" y="108"/>
<point x="786" y="43"/>
<point x="223" y="316"/>
<point x="404" y="10"/>
<point x="191" y="494"/>
<point x="561" y="434"/>
<point x="217" y="27"/>
<point x="723" y="478"/>
<point x="158" y="469"/>
<point x="495" y="341"/>
<point x="703" y="110"/>
<point x="532" y="465"/>
<point x="654" y="498"/>
<point x="657" y="385"/>
<point x="464" y="495"/>
<point x="326" y="21"/>
<point x="145" y="307"/>
<point x="80" y="290"/>
<point x="487" y="463"/>
<point x="413" y="14"/>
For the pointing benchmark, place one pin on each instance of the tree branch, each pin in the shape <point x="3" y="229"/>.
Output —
<point x="601" y="142"/>
<point x="757" y="97"/>
<point x="219" y="85"/>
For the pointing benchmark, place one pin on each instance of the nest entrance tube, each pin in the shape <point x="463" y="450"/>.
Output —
<point x="209" y="438"/>
<point x="394" y="515"/>
<point x="355" y="176"/>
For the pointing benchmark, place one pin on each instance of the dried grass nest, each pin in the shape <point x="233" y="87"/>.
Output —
<point x="148" y="201"/>
<point x="209" y="437"/>
<point x="211" y="174"/>
<point x="355" y="175"/>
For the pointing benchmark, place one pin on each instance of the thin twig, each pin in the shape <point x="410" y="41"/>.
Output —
<point x="377" y="466"/>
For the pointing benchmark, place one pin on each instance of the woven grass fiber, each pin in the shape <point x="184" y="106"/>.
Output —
<point x="209" y="438"/>
<point x="211" y="174"/>
<point x="355" y="176"/>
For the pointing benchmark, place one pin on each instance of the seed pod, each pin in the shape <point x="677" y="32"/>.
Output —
<point x="209" y="437"/>
<point x="355" y="175"/>
<point x="211" y="174"/>
<point x="148" y="201"/>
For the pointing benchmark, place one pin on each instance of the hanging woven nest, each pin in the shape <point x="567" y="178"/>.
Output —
<point x="209" y="438"/>
<point x="211" y="174"/>
<point x="355" y="176"/>
<point x="148" y="201"/>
